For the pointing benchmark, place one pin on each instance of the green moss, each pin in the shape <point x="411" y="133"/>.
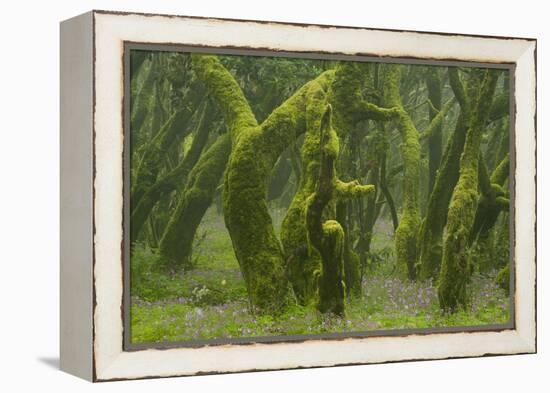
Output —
<point x="407" y="232"/>
<point x="301" y="262"/>
<point x="176" y="243"/>
<point x="141" y="93"/>
<point x="345" y="93"/>
<point x="172" y="180"/>
<point x="347" y="98"/>
<point x="431" y="232"/>
<point x="352" y="189"/>
<point x="326" y="236"/>
<point x="436" y="115"/>
<point x="226" y="91"/>
<point x="153" y="153"/>
<point x="501" y="172"/>
<point x="331" y="280"/>
<point x="255" y="151"/>
<point x="456" y="267"/>
<point x="492" y="202"/>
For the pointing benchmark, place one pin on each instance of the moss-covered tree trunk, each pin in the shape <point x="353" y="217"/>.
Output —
<point x="386" y="192"/>
<point x="177" y="241"/>
<point x="301" y="262"/>
<point x="153" y="154"/>
<point x="172" y="180"/>
<point x="492" y="201"/>
<point x="455" y="267"/>
<point x="433" y="224"/>
<point x="407" y="231"/>
<point x="352" y="263"/>
<point x="255" y="150"/>
<point x="327" y="236"/>
<point x="344" y="92"/>
<point x="140" y="105"/>
<point x="435" y="140"/>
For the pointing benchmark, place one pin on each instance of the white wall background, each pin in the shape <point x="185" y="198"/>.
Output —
<point x="29" y="197"/>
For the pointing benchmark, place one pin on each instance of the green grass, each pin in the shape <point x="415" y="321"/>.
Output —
<point x="210" y="302"/>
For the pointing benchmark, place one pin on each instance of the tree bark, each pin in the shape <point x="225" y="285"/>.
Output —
<point x="407" y="231"/>
<point x="172" y="180"/>
<point x="328" y="237"/>
<point x="456" y="267"/>
<point x="255" y="149"/>
<point x="435" y="140"/>
<point x="177" y="240"/>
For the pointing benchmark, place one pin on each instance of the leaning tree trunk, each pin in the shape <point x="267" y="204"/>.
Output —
<point x="407" y="231"/>
<point x="493" y="200"/>
<point x="431" y="232"/>
<point x="176" y="243"/>
<point x="433" y="224"/>
<point x="435" y="140"/>
<point x="455" y="267"/>
<point x="152" y="157"/>
<point x="140" y="104"/>
<point x="172" y="180"/>
<point x="255" y="150"/>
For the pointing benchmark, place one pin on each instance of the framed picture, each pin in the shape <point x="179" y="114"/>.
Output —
<point x="245" y="195"/>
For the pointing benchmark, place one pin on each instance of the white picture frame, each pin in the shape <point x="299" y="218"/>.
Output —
<point x="92" y="195"/>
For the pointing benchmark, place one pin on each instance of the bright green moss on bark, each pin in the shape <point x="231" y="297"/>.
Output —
<point x="433" y="225"/>
<point x="501" y="172"/>
<point x="172" y="180"/>
<point x="141" y="94"/>
<point x="327" y="238"/>
<point x="407" y="231"/>
<point x="255" y="150"/>
<point x="331" y="280"/>
<point x="346" y="97"/>
<point x="154" y="152"/>
<point x="344" y="92"/>
<point x="431" y="231"/>
<point x="456" y="267"/>
<point x="435" y="140"/>
<point x="302" y="262"/>
<point x="176" y="243"/>
<point x="246" y="213"/>
<point x="226" y="91"/>
<point x="492" y="201"/>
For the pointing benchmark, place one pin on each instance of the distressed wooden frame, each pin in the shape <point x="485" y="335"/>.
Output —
<point x="92" y="197"/>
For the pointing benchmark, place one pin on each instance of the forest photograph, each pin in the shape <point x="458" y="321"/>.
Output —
<point x="277" y="195"/>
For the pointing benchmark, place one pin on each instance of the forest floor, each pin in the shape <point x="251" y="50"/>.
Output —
<point x="210" y="301"/>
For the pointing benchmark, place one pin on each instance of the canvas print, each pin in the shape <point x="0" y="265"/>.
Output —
<point x="278" y="196"/>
